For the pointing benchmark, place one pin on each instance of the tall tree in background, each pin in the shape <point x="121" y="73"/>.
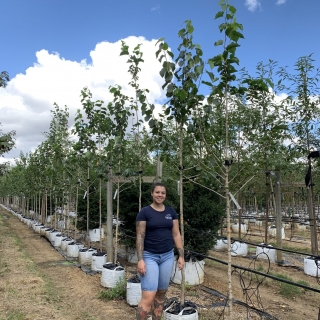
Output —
<point x="4" y="78"/>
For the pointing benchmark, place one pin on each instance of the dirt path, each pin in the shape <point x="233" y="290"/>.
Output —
<point x="36" y="282"/>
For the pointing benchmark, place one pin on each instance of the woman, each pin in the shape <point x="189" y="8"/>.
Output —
<point x="157" y="229"/>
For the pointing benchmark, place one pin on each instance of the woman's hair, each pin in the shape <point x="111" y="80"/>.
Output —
<point x="158" y="184"/>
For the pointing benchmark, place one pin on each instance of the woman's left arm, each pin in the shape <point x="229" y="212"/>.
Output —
<point x="178" y="243"/>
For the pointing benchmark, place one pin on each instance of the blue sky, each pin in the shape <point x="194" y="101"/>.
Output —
<point x="44" y="42"/>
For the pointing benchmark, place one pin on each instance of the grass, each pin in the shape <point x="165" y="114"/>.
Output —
<point x="86" y="316"/>
<point x="3" y="268"/>
<point x="292" y="248"/>
<point x="287" y="290"/>
<point x="116" y="293"/>
<point x="210" y="263"/>
<point x="15" y="315"/>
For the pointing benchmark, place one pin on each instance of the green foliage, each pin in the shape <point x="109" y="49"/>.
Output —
<point x="302" y="105"/>
<point x="7" y="140"/>
<point x="287" y="290"/>
<point x="116" y="293"/>
<point x="202" y="215"/>
<point x="4" y="78"/>
<point x="94" y="215"/>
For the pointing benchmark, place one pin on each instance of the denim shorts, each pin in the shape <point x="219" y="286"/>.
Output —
<point x="158" y="270"/>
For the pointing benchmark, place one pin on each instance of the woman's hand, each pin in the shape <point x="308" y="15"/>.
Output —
<point x="142" y="267"/>
<point x="180" y="263"/>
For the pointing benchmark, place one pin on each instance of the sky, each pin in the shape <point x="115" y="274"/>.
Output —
<point x="54" y="48"/>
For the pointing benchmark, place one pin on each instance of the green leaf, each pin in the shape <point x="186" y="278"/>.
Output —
<point x="198" y="69"/>
<point x="207" y="83"/>
<point x="232" y="9"/>
<point x="160" y="40"/>
<point x="151" y="123"/>
<point x="170" y="54"/>
<point x="219" y="15"/>
<point x="218" y="43"/>
<point x="165" y="46"/>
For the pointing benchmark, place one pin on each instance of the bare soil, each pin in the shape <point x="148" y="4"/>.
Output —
<point x="37" y="282"/>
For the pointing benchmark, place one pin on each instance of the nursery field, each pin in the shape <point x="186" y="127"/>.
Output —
<point x="36" y="282"/>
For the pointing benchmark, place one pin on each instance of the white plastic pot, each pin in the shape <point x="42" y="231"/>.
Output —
<point x="235" y="227"/>
<point x="58" y="240"/>
<point x="266" y="252"/>
<point x="73" y="249"/>
<point x="85" y="255"/>
<point x="52" y="236"/>
<point x="133" y="293"/>
<point x="43" y="231"/>
<point x="239" y="249"/>
<point x="47" y="233"/>
<point x="96" y="234"/>
<point x="110" y="278"/>
<point x="98" y="260"/>
<point x="194" y="272"/>
<point x="273" y="232"/>
<point x="310" y="266"/>
<point x="181" y="316"/>
<point x="221" y="245"/>
<point x="64" y="243"/>
<point x="37" y="228"/>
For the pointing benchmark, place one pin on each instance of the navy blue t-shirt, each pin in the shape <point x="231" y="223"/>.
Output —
<point x="159" y="224"/>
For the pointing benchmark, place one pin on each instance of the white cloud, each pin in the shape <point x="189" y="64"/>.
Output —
<point x="26" y="102"/>
<point x="253" y="4"/>
<point x="156" y="8"/>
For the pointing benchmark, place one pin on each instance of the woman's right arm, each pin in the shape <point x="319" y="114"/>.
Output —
<point x="141" y="232"/>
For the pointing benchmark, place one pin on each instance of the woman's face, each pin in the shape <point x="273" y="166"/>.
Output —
<point x="158" y="194"/>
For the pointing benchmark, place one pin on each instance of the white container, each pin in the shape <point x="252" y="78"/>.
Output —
<point x="47" y="233"/>
<point x="133" y="293"/>
<point x="43" y="231"/>
<point x="85" y="255"/>
<point x="194" y="272"/>
<point x="52" y="236"/>
<point x="58" y="240"/>
<point x="132" y="255"/>
<point x="96" y="234"/>
<point x="266" y="252"/>
<point x="73" y="249"/>
<point x="235" y="227"/>
<point x="64" y="243"/>
<point x="221" y="245"/>
<point x="181" y="316"/>
<point x="98" y="261"/>
<point x="239" y="249"/>
<point x="110" y="278"/>
<point x="310" y="267"/>
<point x="37" y="228"/>
<point x="273" y="232"/>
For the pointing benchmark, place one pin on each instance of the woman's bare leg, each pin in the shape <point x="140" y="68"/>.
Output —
<point x="158" y="304"/>
<point x="145" y="305"/>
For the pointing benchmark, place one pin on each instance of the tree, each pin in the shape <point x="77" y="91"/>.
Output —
<point x="4" y="78"/>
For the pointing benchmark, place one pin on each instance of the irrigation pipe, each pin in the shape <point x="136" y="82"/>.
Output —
<point x="256" y="272"/>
